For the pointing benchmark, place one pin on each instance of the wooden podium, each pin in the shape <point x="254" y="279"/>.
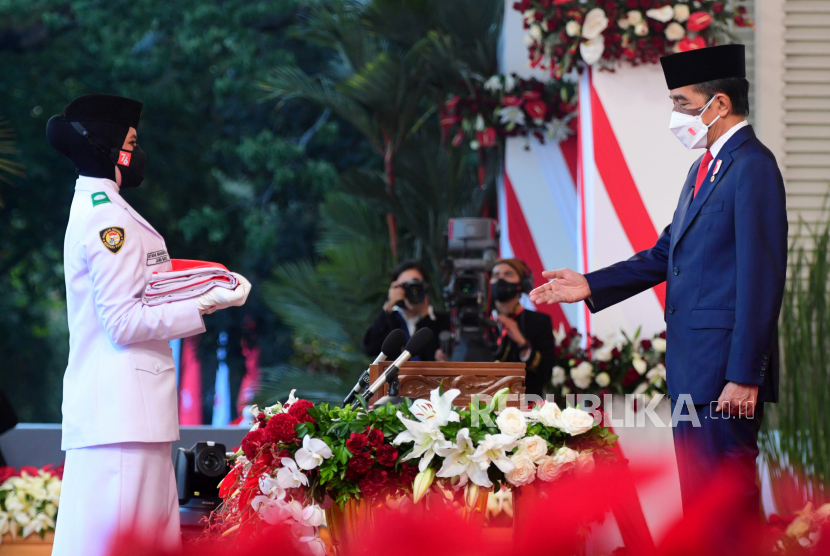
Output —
<point x="418" y="378"/>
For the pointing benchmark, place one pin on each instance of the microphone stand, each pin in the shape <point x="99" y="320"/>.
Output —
<point x="392" y="395"/>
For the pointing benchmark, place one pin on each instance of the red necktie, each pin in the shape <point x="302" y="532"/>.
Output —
<point x="702" y="170"/>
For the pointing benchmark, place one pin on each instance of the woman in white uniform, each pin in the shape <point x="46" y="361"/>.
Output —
<point x="119" y="399"/>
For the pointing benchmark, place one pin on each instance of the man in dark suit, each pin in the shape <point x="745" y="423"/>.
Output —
<point x="724" y="259"/>
<point x="524" y="336"/>
<point x="407" y="308"/>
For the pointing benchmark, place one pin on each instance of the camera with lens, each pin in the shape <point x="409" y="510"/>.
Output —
<point x="415" y="291"/>
<point x="472" y="247"/>
<point x="199" y="471"/>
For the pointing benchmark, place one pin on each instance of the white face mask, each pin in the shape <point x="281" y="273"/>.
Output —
<point x="689" y="128"/>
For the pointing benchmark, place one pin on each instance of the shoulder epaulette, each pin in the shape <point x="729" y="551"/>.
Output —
<point x="99" y="198"/>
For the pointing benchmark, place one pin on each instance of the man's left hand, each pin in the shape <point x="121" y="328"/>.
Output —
<point x="512" y="328"/>
<point x="738" y="399"/>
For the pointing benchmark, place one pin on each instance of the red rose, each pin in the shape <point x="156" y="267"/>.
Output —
<point x="739" y="21"/>
<point x="632" y="4"/>
<point x="686" y="44"/>
<point x="377" y="476"/>
<point x="560" y="2"/>
<point x="566" y="342"/>
<point x="486" y="138"/>
<point x="352" y="476"/>
<point x="717" y="7"/>
<point x="631" y="376"/>
<point x="646" y="344"/>
<point x="741" y="10"/>
<point x="511" y="100"/>
<point x="361" y="462"/>
<point x="356" y="442"/>
<point x="5" y="473"/>
<point x="532" y="95"/>
<point x="387" y="455"/>
<point x="253" y="443"/>
<point x="603" y="366"/>
<point x="375" y="436"/>
<point x="536" y="109"/>
<point x="615" y="353"/>
<point x="663" y="334"/>
<point x="698" y="21"/>
<point x="645" y="4"/>
<point x="281" y="427"/>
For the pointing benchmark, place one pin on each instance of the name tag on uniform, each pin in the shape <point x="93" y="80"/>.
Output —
<point x="157" y="257"/>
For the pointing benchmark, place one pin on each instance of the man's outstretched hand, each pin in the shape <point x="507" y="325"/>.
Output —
<point x="565" y="286"/>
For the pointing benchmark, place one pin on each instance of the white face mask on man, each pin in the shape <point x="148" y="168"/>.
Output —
<point x="689" y="128"/>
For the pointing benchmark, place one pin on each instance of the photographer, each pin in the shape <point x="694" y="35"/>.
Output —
<point x="524" y="336"/>
<point x="407" y="308"/>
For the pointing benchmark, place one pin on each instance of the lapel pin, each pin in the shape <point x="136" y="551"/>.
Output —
<point x="717" y="167"/>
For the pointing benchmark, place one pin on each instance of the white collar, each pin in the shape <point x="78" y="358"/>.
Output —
<point x="93" y="185"/>
<point x="430" y="313"/>
<point x="721" y="141"/>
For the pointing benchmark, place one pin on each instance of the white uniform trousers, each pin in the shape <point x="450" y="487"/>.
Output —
<point x="127" y="487"/>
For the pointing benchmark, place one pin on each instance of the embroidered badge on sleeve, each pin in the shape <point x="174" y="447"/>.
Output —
<point x="112" y="238"/>
<point x="100" y="198"/>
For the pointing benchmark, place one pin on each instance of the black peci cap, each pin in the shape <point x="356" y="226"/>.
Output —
<point x="104" y="108"/>
<point x="704" y="64"/>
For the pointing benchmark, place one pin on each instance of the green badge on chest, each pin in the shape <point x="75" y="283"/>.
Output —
<point x="100" y="198"/>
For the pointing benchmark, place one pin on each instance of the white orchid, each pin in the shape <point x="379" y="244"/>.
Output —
<point x="271" y="511"/>
<point x="438" y="410"/>
<point x="270" y="487"/>
<point x="313" y="453"/>
<point x="457" y="462"/>
<point x="425" y="436"/>
<point x="289" y="475"/>
<point x="493" y="450"/>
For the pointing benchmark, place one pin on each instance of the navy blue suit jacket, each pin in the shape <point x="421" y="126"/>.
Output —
<point x="724" y="259"/>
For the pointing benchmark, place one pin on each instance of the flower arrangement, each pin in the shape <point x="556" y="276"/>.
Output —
<point x="509" y="106"/>
<point x="29" y="499"/>
<point x="603" y="32"/>
<point x="619" y="366"/>
<point x="299" y="458"/>
<point x="801" y="531"/>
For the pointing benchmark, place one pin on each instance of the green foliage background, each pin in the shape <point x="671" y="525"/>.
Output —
<point x="228" y="178"/>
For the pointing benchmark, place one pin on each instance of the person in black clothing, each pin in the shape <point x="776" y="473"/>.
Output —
<point x="407" y="308"/>
<point x="524" y="335"/>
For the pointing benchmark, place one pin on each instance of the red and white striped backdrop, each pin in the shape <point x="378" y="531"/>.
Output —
<point x="599" y="197"/>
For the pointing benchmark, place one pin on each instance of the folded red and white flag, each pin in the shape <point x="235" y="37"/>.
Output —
<point x="187" y="280"/>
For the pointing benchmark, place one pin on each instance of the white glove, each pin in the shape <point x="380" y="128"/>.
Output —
<point x="222" y="298"/>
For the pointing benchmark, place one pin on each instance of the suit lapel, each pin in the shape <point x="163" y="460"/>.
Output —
<point x="685" y="201"/>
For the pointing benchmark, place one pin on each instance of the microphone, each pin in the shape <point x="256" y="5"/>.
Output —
<point x="415" y="346"/>
<point x="392" y="346"/>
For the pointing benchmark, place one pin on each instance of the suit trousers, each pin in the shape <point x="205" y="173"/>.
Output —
<point x="128" y="488"/>
<point x="719" y="441"/>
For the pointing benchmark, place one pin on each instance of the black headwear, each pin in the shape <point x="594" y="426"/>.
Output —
<point x="704" y="64"/>
<point x="107" y="118"/>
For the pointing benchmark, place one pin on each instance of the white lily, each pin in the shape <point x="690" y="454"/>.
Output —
<point x="425" y="436"/>
<point x="41" y="522"/>
<point x="493" y="84"/>
<point x="493" y="450"/>
<point x="457" y="461"/>
<point x="437" y="411"/>
<point x="291" y="399"/>
<point x="289" y="476"/>
<point x="313" y="453"/>
<point x="511" y="116"/>
<point x="4" y="523"/>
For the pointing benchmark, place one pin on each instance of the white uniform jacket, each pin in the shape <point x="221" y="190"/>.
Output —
<point x="120" y="383"/>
